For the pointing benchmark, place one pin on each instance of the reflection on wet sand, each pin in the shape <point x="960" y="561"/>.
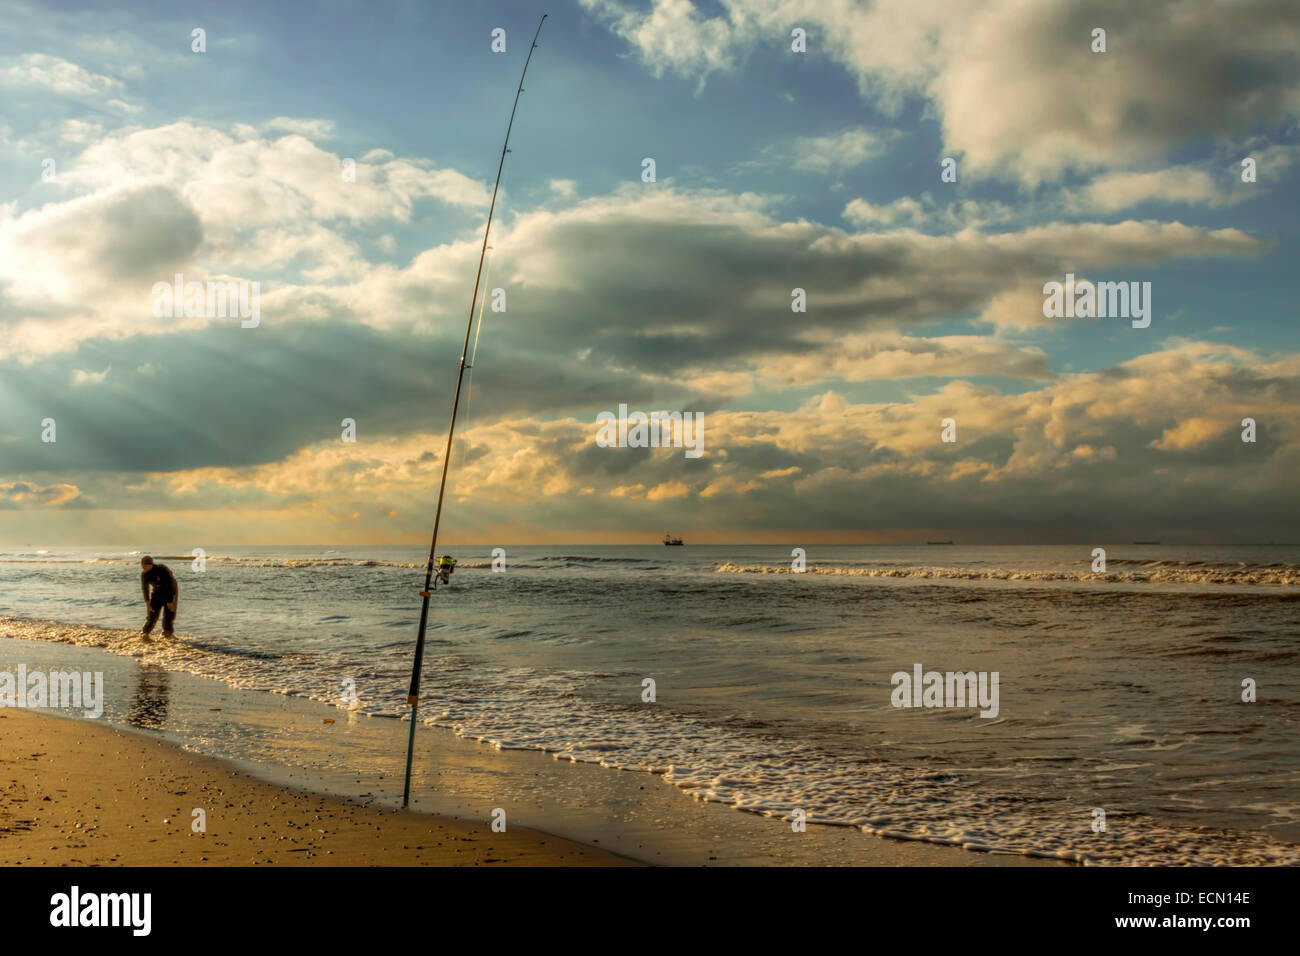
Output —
<point x="149" y="705"/>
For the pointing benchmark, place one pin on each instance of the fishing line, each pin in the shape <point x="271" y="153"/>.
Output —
<point x="469" y="386"/>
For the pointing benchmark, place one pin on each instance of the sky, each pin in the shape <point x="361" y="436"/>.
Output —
<point x="921" y="170"/>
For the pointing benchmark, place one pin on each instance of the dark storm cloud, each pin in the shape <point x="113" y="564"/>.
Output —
<point x="231" y="396"/>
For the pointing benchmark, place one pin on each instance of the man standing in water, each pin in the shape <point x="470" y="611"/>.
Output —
<point x="165" y="594"/>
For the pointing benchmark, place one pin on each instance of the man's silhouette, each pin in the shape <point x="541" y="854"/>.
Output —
<point x="166" y="591"/>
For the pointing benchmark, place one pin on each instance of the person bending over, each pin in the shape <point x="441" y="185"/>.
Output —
<point x="160" y="595"/>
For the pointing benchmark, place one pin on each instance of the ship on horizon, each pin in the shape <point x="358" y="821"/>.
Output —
<point x="672" y="539"/>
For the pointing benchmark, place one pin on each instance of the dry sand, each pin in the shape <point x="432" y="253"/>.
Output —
<point x="76" y="793"/>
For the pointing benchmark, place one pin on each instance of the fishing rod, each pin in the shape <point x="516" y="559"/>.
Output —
<point x="413" y="695"/>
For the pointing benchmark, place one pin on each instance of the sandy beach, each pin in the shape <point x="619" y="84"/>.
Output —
<point x="75" y="793"/>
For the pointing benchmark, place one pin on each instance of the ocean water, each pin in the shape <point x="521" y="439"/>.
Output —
<point x="1118" y="691"/>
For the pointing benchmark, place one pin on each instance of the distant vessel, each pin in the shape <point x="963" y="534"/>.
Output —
<point x="938" y="542"/>
<point x="1146" y="542"/>
<point x="670" y="539"/>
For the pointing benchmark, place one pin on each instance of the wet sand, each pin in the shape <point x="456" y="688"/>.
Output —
<point x="77" y="793"/>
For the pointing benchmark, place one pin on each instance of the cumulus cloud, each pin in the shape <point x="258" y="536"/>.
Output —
<point x="733" y="265"/>
<point x="902" y="211"/>
<point x="1020" y="308"/>
<point x="313" y="129"/>
<point x="932" y="214"/>
<point x="196" y="200"/>
<point x="83" y="268"/>
<point x="563" y="188"/>
<point x="1173" y="72"/>
<point x="80" y="131"/>
<point x="82" y="377"/>
<point x="1216" y="182"/>
<point x="1121" y="190"/>
<point x="52" y="73"/>
<point x="836" y="152"/>
<point x="243" y="180"/>
<point x="672" y="35"/>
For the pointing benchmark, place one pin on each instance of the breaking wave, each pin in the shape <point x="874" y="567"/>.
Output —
<point x="1151" y="572"/>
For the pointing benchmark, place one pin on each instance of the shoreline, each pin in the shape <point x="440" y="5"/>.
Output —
<point x="304" y="750"/>
<point x="78" y="795"/>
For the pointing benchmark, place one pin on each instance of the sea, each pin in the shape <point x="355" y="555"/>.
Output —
<point x="1146" y="714"/>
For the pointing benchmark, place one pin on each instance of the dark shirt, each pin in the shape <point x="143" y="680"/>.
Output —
<point x="163" y="581"/>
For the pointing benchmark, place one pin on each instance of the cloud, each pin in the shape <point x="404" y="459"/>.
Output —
<point x="668" y="490"/>
<point x="81" y="377"/>
<point x="313" y="129"/>
<point x="831" y="154"/>
<point x="79" y="131"/>
<point x="721" y="329"/>
<point x="245" y="181"/>
<point x="1213" y="183"/>
<point x="1183" y="184"/>
<point x="672" y="36"/>
<point x="734" y="266"/>
<point x="82" y="268"/>
<point x="192" y="199"/>
<point x="836" y="152"/>
<point x="1151" y="442"/>
<point x="55" y="75"/>
<point x="1188" y="433"/>
<point x="875" y="357"/>
<point x="902" y="211"/>
<point x="1174" y="72"/>
<point x="943" y="215"/>
<point x="1020" y="308"/>
<point x="22" y="494"/>
<point x="563" y="188"/>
